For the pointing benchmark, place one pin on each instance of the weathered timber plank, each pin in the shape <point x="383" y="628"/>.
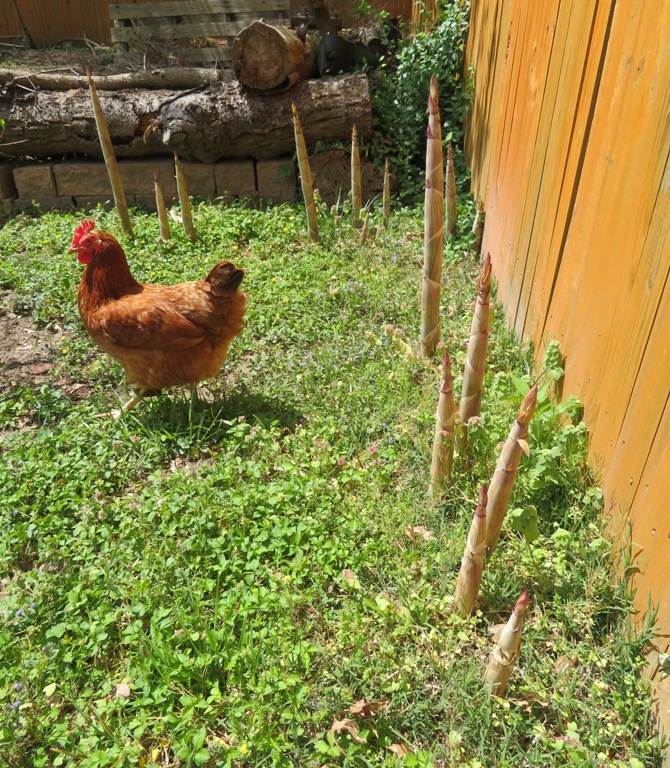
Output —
<point x="165" y="31"/>
<point x="192" y="7"/>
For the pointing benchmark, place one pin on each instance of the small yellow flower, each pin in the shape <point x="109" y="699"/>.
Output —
<point x="244" y="748"/>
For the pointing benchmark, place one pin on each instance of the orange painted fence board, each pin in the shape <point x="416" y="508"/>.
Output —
<point x="569" y="141"/>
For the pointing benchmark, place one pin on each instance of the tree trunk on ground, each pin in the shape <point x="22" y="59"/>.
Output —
<point x="268" y="57"/>
<point x="171" y="77"/>
<point x="220" y="121"/>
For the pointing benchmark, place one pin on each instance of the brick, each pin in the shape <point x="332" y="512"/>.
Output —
<point x="137" y="175"/>
<point x="235" y="178"/>
<point x="60" y="203"/>
<point x="35" y="181"/>
<point x="7" y="186"/>
<point x="276" y="179"/>
<point x="77" y="177"/>
<point x="199" y="178"/>
<point x="7" y="206"/>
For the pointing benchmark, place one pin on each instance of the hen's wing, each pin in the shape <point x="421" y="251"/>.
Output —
<point x="159" y="318"/>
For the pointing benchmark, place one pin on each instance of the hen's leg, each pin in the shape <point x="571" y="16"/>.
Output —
<point x="117" y="413"/>
<point x="134" y="400"/>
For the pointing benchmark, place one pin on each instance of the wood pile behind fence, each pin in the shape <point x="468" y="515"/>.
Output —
<point x="570" y="151"/>
<point x="51" y="22"/>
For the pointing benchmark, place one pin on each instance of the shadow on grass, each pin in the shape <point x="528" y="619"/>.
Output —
<point x="213" y="411"/>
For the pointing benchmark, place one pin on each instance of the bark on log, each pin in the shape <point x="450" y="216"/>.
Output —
<point x="224" y="120"/>
<point x="268" y="57"/>
<point x="171" y="77"/>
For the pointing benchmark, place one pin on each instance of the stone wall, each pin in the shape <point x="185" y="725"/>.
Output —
<point x="81" y="184"/>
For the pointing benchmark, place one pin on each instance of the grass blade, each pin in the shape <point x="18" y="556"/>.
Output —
<point x="386" y="199"/>
<point x="450" y="194"/>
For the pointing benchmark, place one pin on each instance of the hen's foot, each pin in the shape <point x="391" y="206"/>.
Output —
<point x="117" y="413"/>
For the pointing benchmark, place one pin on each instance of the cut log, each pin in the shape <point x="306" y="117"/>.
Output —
<point x="267" y="57"/>
<point x="220" y="121"/>
<point x="171" y="77"/>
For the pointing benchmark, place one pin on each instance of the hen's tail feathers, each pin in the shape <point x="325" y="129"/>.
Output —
<point x="225" y="276"/>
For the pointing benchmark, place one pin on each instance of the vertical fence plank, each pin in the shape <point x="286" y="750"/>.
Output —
<point x="588" y="32"/>
<point x="501" y="130"/>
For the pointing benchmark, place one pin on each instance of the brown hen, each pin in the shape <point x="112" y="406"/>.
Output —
<point x="163" y="335"/>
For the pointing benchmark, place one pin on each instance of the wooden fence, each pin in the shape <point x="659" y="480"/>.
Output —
<point x="50" y="22"/>
<point x="570" y="151"/>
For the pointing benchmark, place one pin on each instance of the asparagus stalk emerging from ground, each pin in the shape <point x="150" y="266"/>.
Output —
<point x="450" y="193"/>
<point x="472" y="564"/>
<point x="475" y="362"/>
<point x="500" y="488"/>
<point x="445" y="422"/>
<point x="162" y="212"/>
<point x="355" y="179"/>
<point x="364" y="230"/>
<point x="433" y="228"/>
<point x="184" y="201"/>
<point x="506" y="651"/>
<point x="305" y="177"/>
<point x="110" y="159"/>
<point x="386" y="198"/>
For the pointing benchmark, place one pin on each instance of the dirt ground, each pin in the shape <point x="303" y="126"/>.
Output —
<point x="25" y="350"/>
<point x="28" y="352"/>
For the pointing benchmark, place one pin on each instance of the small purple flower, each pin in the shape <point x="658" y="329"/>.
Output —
<point x="18" y="686"/>
<point x="19" y="613"/>
<point x="15" y="705"/>
<point x="15" y="512"/>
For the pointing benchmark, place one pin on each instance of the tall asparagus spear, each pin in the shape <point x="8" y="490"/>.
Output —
<point x="162" y="212"/>
<point x="445" y="422"/>
<point x="506" y="651"/>
<point x="355" y="179"/>
<point x="305" y="177"/>
<point x="500" y="487"/>
<point x="433" y="228"/>
<point x="472" y="564"/>
<point x="475" y="362"/>
<point x="184" y="200"/>
<point x="110" y="159"/>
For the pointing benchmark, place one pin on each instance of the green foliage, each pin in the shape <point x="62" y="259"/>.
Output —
<point x="220" y="582"/>
<point x="400" y="100"/>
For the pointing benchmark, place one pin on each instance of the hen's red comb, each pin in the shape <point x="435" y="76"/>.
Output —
<point x="83" y="229"/>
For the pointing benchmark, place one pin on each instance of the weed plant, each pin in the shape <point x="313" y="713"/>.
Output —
<point x="217" y="583"/>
